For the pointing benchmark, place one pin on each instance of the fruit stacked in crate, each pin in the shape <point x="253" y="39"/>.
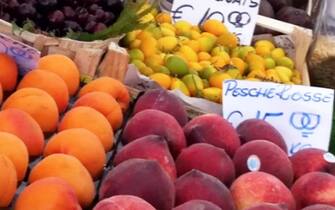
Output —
<point x="196" y="60"/>
<point x="204" y="163"/>
<point x="56" y="137"/>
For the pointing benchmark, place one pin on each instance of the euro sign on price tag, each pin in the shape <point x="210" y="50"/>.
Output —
<point x="302" y="114"/>
<point x="238" y="15"/>
<point x="25" y="56"/>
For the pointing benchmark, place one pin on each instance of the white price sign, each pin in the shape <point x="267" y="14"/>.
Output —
<point x="303" y="115"/>
<point x="239" y="16"/>
<point x="25" y="56"/>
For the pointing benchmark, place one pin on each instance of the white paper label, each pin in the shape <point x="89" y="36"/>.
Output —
<point x="329" y="157"/>
<point x="238" y="15"/>
<point x="25" y="56"/>
<point x="254" y="163"/>
<point x="302" y="114"/>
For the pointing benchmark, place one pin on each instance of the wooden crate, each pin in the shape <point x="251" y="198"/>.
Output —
<point x="87" y="55"/>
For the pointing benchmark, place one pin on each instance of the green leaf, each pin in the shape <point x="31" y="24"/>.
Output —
<point x="129" y="20"/>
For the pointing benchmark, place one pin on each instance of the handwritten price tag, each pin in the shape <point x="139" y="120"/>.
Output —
<point x="303" y="115"/>
<point x="239" y="16"/>
<point x="25" y="56"/>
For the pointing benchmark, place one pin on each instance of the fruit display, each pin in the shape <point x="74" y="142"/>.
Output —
<point x="110" y="151"/>
<point x="238" y="170"/>
<point x="196" y="60"/>
<point x="63" y="17"/>
<point x="51" y="153"/>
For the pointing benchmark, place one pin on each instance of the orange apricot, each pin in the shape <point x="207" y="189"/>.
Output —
<point x="71" y="170"/>
<point x="111" y="86"/>
<point x="51" y="193"/>
<point x="8" y="181"/>
<point x="92" y="120"/>
<point x="38" y="104"/>
<point x="1" y="93"/>
<point x="82" y="144"/>
<point x="16" y="151"/>
<point x="22" y="125"/>
<point x="105" y="104"/>
<point x="64" y="67"/>
<point x="49" y="82"/>
<point x="8" y="72"/>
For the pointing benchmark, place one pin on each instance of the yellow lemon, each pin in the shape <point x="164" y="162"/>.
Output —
<point x="228" y="39"/>
<point x="193" y="83"/>
<point x="144" y="35"/>
<point x="167" y="43"/>
<point x="195" y="66"/>
<point x="149" y="46"/>
<point x="163" y="17"/>
<point x="218" y="62"/>
<point x="234" y="73"/>
<point x="135" y="44"/>
<point x="162" y="79"/>
<point x="169" y="26"/>
<point x="167" y="32"/>
<point x="138" y="63"/>
<point x="147" y="71"/>
<point x="189" y="53"/>
<point x="205" y="64"/>
<point x="238" y="63"/>
<point x="204" y="56"/>
<point x="216" y="50"/>
<point x="259" y="74"/>
<point x="285" y="61"/>
<point x="136" y="54"/>
<point x="272" y="75"/>
<point x="195" y="34"/>
<point x="179" y="85"/>
<point x="269" y="63"/>
<point x="285" y="74"/>
<point x="214" y="27"/>
<point x="277" y="53"/>
<point x="265" y="43"/>
<point x="154" y="60"/>
<point x="194" y="45"/>
<point x="245" y="51"/>
<point x="183" y="28"/>
<point x="217" y="79"/>
<point x="263" y="51"/>
<point x="213" y="94"/>
<point x="205" y="73"/>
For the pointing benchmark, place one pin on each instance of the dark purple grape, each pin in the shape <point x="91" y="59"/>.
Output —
<point x="68" y="12"/>
<point x="56" y="17"/>
<point x="90" y="26"/>
<point x="111" y="3"/>
<point x="26" y="10"/>
<point x="5" y="16"/>
<point x="82" y="15"/>
<point x="99" y="27"/>
<point x="12" y="4"/>
<point x="93" y="8"/>
<point x="47" y="3"/>
<point x="32" y="2"/>
<point x="100" y="14"/>
<point x="91" y="18"/>
<point x="109" y="18"/>
<point x="74" y="26"/>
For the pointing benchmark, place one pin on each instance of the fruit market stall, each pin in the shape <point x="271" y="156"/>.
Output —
<point x="81" y="30"/>
<point x="155" y="135"/>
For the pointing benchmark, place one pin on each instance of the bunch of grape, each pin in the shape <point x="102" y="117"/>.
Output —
<point x="61" y="16"/>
